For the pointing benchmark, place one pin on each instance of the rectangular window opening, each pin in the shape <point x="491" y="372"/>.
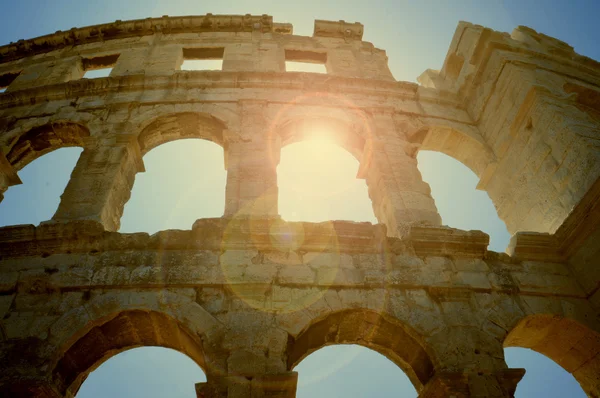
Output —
<point x="203" y="58"/>
<point x="99" y="66"/>
<point x="6" y="79"/>
<point x="305" y="61"/>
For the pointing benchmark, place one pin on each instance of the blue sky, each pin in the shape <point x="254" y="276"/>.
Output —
<point x="416" y="36"/>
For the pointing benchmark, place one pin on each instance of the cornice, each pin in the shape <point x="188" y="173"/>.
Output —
<point x="141" y="27"/>
<point x="211" y="80"/>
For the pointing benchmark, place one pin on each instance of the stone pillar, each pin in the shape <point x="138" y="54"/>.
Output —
<point x="250" y="358"/>
<point x="281" y="385"/>
<point x="29" y="389"/>
<point x="101" y="182"/>
<point x="502" y="383"/>
<point x="24" y="368"/>
<point x="400" y="196"/>
<point x="252" y="156"/>
<point x="8" y="175"/>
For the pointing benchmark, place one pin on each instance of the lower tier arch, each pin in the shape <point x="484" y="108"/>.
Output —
<point x="126" y="330"/>
<point x="570" y="344"/>
<point x="370" y="329"/>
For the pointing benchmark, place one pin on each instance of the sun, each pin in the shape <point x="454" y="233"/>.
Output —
<point x="322" y="137"/>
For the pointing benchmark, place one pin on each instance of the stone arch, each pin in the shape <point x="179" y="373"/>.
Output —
<point x="127" y="330"/>
<point x="45" y="138"/>
<point x="112" y="323"/>
<point x="460" y="142"/>
<point x="175" y="126"/>
<point x="348" y="126"/>
<point x="571" y="344"/>
<point x="381" y="333"/>
<point x="341" y="133"/>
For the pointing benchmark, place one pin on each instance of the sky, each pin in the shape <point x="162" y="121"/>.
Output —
<point x="416" y="36"/>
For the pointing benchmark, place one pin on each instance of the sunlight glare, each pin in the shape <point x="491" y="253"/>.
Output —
<point x="317" y="181"/>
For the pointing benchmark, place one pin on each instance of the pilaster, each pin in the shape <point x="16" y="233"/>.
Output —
<point x="252" y="156"/>
<point x="101" y="182"/>
<point x="502" y="383"/>
<point x="400" y="196"/>
<point x="282" y="385"/>
<point x="8" y="175"/>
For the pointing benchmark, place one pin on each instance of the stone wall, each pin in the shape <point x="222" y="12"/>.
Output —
<point x="248" y="296"/>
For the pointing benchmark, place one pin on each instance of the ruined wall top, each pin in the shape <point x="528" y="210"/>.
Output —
<point x="171" y="25"/>
<point x="158" y="46"/>
<point x="475" y="50"/>
<point x="142" y="27"/>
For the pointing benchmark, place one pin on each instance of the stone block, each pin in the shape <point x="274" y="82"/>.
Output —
<point x="238" y="257"/>
<point x="188" y="274"/>
<point x="339" y="276"/>
<point x="8" y="281"/>
<point x="327" y="259"/>
<point x="72" y="277"/>
<point x="5" y="303"/>
<point x="477" y="280"/>
<point x="111" y="276"/>
<point x="260" y="273"/>
<point x="17" y="233"/>
<point x="299" y="274"/>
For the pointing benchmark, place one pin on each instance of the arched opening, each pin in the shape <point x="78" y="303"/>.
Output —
<point x="540" y="369"/>
<point x="43" y="139"/>
<point x="460" y="204"/>
<point x="44" y="181"/>
<point x="121" y="332"/>
<point x="385" y="335"/>
<point x="149" y="372"/>
<point x="573" y="347"/>
<point x="46" y="178"/>
<point x="351" y="371"/>
<point x="317" y="172"/>
<point x="184" y="179"/>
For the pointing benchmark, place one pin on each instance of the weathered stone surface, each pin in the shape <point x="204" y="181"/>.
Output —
<point x="249" y="295"/>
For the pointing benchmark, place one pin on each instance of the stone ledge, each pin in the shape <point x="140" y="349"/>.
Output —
<point x="215" y="80"/>
<point x="231" y="234"/>
<point x="581" y="223"/>
<point x="534" y="246"/>
<point x="443" y="241"/>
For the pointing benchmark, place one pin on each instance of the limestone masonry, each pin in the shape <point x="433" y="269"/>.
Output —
<point x="249" y="295"/>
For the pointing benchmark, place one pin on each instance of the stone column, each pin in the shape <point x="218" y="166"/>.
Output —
<point x="252" y="156"/>
<point x="281" y="385"/>
<point x="29" y="389"/>
<point x="250" y="358"/>
<point x="24" y="369"/>
<point x="8" y="175"/>
<point x="502" y="383"/>
<point x="470" y="357"/>
<point x="101" y="182"/>
<point x="400" y="196"/>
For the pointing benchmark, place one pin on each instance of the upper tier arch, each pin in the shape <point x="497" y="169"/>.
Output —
<point x="180" y="125"/>
<point x="346" y="127"/>
<point x="461" y="142"/>
<point x="45" y="138"/>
